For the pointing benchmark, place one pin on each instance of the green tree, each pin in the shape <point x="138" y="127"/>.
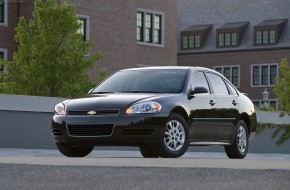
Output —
<point x="282" y="87"/>
<point x="101" y="75"/>
<point x="282" y="90"/>
<point x="52" y="57"/>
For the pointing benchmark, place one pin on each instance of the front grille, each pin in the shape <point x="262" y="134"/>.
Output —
<point x="137" y="132"/>
<point x="94" y="112"/>
<point x="90" y="130"/>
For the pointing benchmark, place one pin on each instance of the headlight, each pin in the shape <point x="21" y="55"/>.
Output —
<point x="144" y="107"/>
<point x="59" y="109"/>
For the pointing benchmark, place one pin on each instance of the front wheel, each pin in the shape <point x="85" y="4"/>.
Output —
<point x="149" y="152"/>
<point x="74" y="151"/>
<point x="239" y="148"/>
<point x="175" y="141"/>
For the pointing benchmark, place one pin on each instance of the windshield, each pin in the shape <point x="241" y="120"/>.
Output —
<point x="144" y="81"/>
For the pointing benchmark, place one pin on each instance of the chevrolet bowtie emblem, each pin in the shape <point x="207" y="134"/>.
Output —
<point x="91" y="113"/>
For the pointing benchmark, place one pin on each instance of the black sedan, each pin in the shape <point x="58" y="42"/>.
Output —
<point x="162" y="110"/>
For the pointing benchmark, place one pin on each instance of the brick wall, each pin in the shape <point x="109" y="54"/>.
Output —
<point x="112" y="29"/>
<point x="7" y="33"/>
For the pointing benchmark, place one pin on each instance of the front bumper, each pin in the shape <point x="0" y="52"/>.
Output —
<point x="128" y="130"/>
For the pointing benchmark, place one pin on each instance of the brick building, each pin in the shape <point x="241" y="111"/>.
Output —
<point x="111" y="26"/>
<point x="244" y="40"/>
<point x="9" y="14"/>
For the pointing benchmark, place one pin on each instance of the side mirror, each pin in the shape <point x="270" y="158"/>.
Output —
<point x="197" y="90"/>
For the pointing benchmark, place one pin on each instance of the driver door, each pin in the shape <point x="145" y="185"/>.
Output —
<point x="203" y="113"/>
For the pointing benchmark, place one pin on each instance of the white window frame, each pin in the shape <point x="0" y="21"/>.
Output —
<point x="260" y="74"/>
<point x="261" y="102"/>
<point x="153" y="28"/>
<point x="5" y="23"/>
<point x="87" y="18"/>
<point x="231" y="66"/>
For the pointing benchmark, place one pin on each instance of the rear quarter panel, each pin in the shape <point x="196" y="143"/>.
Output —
<point x="247" y="107"/>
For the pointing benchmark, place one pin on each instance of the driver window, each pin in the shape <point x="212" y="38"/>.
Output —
<point x="198" y="80"/>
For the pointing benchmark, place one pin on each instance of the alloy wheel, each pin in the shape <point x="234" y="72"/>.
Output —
<point x="174" y="135"/>
<point x="242" y="139"/>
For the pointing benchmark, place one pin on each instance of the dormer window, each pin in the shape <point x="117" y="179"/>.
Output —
<point x="194" y="37"/>
<point x="268" y="32"/>
<point x="191" y="41"/>
<point x="231" y="34"/>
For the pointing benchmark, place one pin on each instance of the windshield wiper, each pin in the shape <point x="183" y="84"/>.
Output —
<point x="104" y="92"/>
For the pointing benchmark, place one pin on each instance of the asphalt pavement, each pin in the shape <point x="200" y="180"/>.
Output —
<point x="119" y="152"/>
<point x="115" y="169"/>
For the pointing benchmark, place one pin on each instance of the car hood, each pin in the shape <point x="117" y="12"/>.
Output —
<point x="106" y="101"/>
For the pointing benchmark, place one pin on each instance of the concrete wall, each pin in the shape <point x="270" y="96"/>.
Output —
<point x="25" y="122"/>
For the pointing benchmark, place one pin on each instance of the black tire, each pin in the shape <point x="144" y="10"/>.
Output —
<point x="74" y="151"/>
<point x="149" y="152"/>
<point x="179" y="136"/>
<point x="239" y="148"/>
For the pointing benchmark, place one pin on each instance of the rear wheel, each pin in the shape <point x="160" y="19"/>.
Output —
<point x="149" y="152"/>
<point x="239" y="148"/>
<point x="175" y="142"/>
<point x="74" y="151"/>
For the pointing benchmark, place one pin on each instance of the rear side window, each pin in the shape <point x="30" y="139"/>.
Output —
<point x="198" y="80"/>
<point x="218" y="84"/>
<point x="232" y="89"/>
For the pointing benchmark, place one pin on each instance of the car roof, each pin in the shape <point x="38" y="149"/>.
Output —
<point x="177" y="67"/>
<point x="168" y="67"/>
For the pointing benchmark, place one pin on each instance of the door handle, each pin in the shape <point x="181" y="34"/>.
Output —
<point x="235" y="102"/>
<point x="212" y="103"/>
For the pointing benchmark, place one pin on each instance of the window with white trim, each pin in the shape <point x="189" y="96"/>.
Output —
<point x="271" y="102"/>
<point x="232" y="73"/>
<point x="264" y="75"/>
<point x="84" y="26"/>
<point x="149" y="27"/>
<point x="3" y="13"/>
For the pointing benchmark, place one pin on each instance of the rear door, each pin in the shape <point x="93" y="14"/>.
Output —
<point x="227" y="107"/>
